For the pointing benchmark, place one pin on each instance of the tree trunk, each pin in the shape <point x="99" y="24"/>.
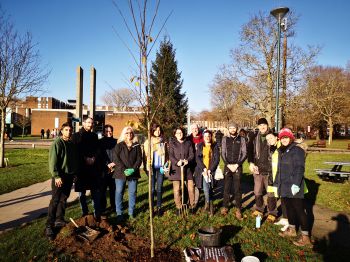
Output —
<point x="330" y="137"/>
<point x="2" y="151"/>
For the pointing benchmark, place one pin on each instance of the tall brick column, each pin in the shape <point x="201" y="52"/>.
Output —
<point x="79" y="102"/>
<point x="92" y="91"/>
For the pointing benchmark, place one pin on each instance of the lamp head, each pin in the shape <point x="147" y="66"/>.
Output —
<point x="279" y="12"/>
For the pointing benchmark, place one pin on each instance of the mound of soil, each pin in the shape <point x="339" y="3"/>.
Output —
<point x="113" y="243"/>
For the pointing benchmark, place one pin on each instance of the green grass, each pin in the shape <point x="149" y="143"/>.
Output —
<point x="336" y="144"/>
<point x="27" y="167"/>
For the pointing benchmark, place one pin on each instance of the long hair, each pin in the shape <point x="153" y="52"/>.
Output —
<point x="122" y="134"/>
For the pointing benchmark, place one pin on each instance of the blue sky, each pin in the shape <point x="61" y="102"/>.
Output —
<point x="70" y="33"/>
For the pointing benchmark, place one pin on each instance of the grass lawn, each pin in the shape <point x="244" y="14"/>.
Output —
<point x="27" y="167"/>
<point x="337" y="144"/>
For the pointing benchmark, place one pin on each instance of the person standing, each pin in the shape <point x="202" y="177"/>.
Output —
<point x="290" y="184"/>
<point x="42" y="132"/>
<point x="234" y="153"/>
<point x="158" y="158"/>
<point x="207" y="159"/>
<point x="90" y="175"/>
<point x="195" y="138"/>
<point x="181" y="155"/>
<point x="260" y="166"/>
<point x="63" y="166"/>
<point x="128" y="159"/>
<point x="108" y="144"/>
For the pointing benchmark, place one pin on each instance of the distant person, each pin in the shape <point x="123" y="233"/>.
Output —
<point x="218" y="137"/>
<point x="128" y="159"/>
<point x="63" y="166"/>
<point x="234" y="153"/>
<point x="42" y="132"/>
<point x="48" y="133"/>
<point x="108" y="144"/>
<point x="90" y="173"/>
<point x="243" y="133"/>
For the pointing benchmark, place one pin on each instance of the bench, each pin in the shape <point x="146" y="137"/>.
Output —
<point x="319" y="143"/>
<point x="348" y="146"/>
<point x="333" y="175"/>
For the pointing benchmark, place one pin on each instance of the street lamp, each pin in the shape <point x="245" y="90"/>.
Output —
<point x="278" y="13"/>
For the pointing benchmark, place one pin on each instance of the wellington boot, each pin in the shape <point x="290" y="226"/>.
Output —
<point x="290" y="232"/>
<point x="303" y="241"/>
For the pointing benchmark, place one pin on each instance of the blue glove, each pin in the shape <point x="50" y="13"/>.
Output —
<point x="161" y="170"/>
<point x="295" y="189"/>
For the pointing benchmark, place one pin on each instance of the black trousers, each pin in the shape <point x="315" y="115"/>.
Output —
<point x="108" y="182"/>
<point x="233" y="181"/>
<point x="296" y="213"/>
<point x="57" y="206"/>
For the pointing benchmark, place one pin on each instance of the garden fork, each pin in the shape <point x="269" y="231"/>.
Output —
<point x="184" y="208"/>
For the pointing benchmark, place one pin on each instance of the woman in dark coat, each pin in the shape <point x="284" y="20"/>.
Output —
<point x="127" y="169"/>
<point x="207" y="158"/>
<point x="181" y="155"/>
<point x="290" y="184"/>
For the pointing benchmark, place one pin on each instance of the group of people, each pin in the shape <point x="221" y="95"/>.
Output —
<point x="275" y="160"/>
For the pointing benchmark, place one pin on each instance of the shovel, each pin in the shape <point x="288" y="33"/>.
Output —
<point x="85" y="232"/>
<point x="183" y="209"/>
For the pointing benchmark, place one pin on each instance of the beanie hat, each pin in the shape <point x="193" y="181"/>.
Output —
<point x="262" y="121"/>
<point x="232" y="124"/>
<point x="286" y="132"/>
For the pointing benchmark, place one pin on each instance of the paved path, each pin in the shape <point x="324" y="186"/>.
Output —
<point x="25" y="204"/>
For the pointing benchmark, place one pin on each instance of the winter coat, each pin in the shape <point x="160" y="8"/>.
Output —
<point x="194" y="142"/>
<point x="90" y="174"/>
<point x="127" y="158"/>
<point x="214" y="162"/>
<point x="258" y="152"/>
<point x="107" y="145"/>
<point x="290" y="171"/>
<point x="180" y="151"/>
<point x="234" y="151"/>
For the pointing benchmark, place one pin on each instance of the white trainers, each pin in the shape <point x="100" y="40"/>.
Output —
<point x="282" y="222"/>
<point x="285" y="228"/>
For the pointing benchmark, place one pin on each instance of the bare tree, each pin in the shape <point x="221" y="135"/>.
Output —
<point x="20" y="71"/>
<point x="120" y="97"/>
<point x="328" y="93"/>
<point x="23" y="122"/>
<point x="254" y="63"/>
<point x="141" y="32"/>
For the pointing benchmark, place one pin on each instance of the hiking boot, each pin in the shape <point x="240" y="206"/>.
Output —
<point x="303" y="241"/>
<point x="271" y="218"/>
<point x="282" y="222"/>
<point x="120" y="219"/>
<point x="290" y="232"/>
<point x="178" y="212"/>
<point x="49" y="233"/>
<point x="257" y="213"/>
<point x="206" y="206"/>
<point x="60" y="223"/>
<point x="224" y="211"/>
<point x="159" y="212"/>
<point x="238" y="215"/>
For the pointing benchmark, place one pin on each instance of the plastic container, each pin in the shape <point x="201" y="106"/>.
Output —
<point x="258" y="221"/>
<point x="210" y="236"/>
<point x="250" y="259"/>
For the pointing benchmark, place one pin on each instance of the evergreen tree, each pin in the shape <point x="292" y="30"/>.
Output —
<point x="167" y="99"/>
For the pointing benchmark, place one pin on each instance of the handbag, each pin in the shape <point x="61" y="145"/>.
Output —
<point x="218" y="174"/>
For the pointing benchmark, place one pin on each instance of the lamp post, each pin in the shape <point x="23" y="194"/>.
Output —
<point x="278" y="13"/>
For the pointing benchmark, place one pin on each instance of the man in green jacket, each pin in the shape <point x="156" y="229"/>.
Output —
<point x="63" y="166"/>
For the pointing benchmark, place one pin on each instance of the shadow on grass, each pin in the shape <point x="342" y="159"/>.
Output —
<point x="310" y="200"/>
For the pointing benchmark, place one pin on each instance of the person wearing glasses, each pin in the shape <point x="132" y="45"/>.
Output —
<point x="108" y="143"/>
<point x="128" y="159"/>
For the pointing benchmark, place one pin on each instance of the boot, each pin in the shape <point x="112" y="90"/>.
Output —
<point x="238" y="215"/>
<point x="224" y="211"/>
<point x="211" y="208"/>
<point x="290" y="232"/>
<point x="206" y="206"/>
<point x="304" y="240"/>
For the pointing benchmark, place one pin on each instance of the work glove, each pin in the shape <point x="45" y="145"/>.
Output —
<point x="295" y="189"/>
<point x="161" y="170"/>
<point x="179" y="163"/>
<point x="129" y="171"/>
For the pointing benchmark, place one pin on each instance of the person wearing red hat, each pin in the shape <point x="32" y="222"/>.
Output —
<point x="290" y="185"/>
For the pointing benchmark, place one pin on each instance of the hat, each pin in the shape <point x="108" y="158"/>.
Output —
<point x="286" y="132"/>
<point x="262" y="121"/>
<point x="231" y="124"/>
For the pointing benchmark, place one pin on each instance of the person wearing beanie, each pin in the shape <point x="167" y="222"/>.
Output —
<point x="290" y="186"/>
<point x="234" y="153"/>
<point x="260" y="166"/>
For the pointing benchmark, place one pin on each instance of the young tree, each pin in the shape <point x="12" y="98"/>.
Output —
<point x="165" y="89"/>
<point x="20" y="71"/>
<point x="328" y="93"/>
<point x="23" y="122"/>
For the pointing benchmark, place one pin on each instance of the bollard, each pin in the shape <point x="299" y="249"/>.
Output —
<point x="33" y="145"/>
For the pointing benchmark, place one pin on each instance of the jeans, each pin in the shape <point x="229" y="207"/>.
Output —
<point x="157" y="177"/>
<point x="108" y="182"/>
<point x="233" y="180"/>
<point x="119" y="193"/>
<point x="96" y="202"/>
<point x="57" y="206"/>
<point x="208" y="191"/>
